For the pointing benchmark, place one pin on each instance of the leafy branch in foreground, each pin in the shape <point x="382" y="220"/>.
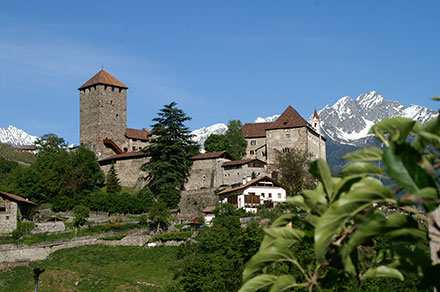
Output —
<point x="343" y="218"/>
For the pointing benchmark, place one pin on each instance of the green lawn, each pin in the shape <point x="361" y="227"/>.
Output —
<point x="97" y="268"/>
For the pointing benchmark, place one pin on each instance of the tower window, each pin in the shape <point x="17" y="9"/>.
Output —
<point x="105" y="87"/>
<point x="111" y="101"/>
<point x="287" y="136"/>
<point x="315" y="125"/>
<point x="252" y="152"/>
<point x="120" y="89"/>
<point x="113" y="88"/>
<point x="286" y="150"/>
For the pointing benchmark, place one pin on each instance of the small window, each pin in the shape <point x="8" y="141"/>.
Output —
<point x="253" y="142"/>
<point x="134" y="140"/>
<point x="204" y="177"/>
<point x="105" y="87"/>
<point x="111" y="101"/>
<point x="117" y="115"/>
<point x="125" y="149"/>
<point x="113" y="88"/>
<point x="287" y="136"/>
<point x="315" y="125"/>
<point x="263" y="195"/>
<point x="252" y="152"/>
<point x="134" y="148"/>
<point x="270" y="195"/>
<point x="279" y="196"/>
<point x="286" y="150"/>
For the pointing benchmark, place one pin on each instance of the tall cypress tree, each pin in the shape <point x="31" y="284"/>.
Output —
<point x="169" y="153"/>
<point x="113" y="185"/>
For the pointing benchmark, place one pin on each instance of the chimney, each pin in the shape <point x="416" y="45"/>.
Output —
<point x="249" y="178"/>
<point x="244" y="181"/>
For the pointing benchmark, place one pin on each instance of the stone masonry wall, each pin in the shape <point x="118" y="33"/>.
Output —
<point x="8" y="219"/>
<point x="129" y="172"/>
<point x="316" y="146"/>
<point x="193" y="202"/>
<point x="282" y="138"/>
<point x="103" y="114"/>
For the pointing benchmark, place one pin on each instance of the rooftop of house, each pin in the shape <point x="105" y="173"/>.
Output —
<point x="212" y="155"/>
<point x="104" y="78"/>
<point x="253" y="182"/>
<point x="16" y="198"/>
<point x="124" y="155"/>
<point x="290" y="118"/>
<point x="137" y="134"/>
<point x="241" y="162"/>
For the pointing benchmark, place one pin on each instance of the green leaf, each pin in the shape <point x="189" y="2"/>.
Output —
<point x="402" y="161"/>
<point x="258" y="283"/>
<point x="398" y="128"/>
<point x="287" y="233"/>
<point x="362" y="195"/>
<point x="398" y="226"/>
<point x="364" y="154"/>
<point x="272" y="253"/>
<point x="315" y="200"/>
<point x="299" y="202"/>
<point x="283" y="283"/>
<point x="383" y="272"/>
<point x="361" y="168"/>
<point x="321" y="171"/>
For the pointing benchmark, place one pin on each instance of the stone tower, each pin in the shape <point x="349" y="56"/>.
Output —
<point x="316" y="123"/>
<point x="103" y="114"/>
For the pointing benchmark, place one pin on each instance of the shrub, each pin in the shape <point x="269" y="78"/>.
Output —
<point x="177" y="236"/>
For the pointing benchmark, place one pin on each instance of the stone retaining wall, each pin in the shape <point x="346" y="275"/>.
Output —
<point x="11" y="253"/>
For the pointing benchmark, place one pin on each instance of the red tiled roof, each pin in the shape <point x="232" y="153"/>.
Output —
<point x="124" y="155"/>
<point x="289" y="119"/>
<point x="137" y="134"/>
<point x="16" y="198"/>
<point x="103" y="77"/>
<point x="211" y="155"/>
<point x="254" y="130"/>
<point x="241" y="162"/>
<point x="255" y="180"/>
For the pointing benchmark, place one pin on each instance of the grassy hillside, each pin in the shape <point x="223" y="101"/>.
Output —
<point x="10" y="153"/>
<point x="97" y="268"/>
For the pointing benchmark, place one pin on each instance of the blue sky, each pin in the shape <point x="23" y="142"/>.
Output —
<point x="219" y="60"/>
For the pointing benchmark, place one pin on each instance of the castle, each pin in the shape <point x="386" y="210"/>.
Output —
<point x="103" y="129"/>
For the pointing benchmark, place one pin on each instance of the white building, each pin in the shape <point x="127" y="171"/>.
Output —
<point x="254" y="193"/>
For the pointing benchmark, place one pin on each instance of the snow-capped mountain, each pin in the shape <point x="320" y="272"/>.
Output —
<point x="202" y="134"/>
<point x="349" y="120"/>
<point x="14" y="136"/>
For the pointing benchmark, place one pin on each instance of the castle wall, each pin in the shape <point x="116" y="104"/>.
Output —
<point x="255" y="148"/>
<point x="103" y="114"/>
<point x="129" y="171"/>
<point x="236" y="175"/>
<point x="316" y="146"/>
<point x="192" y="202"/>
<point x="205" y="173"/>
<point x="285" y="138"/>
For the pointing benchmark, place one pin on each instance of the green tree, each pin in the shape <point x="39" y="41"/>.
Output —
<point x="215" y="143"/>
<point x="235" y="143"/>
<point x="159" y="214"/>
<point x="170" y="151"/>
<point x="113" y="185"/>
<point x="81" y="213"/>
<point x="214" y="262"/>
<point x="50" y="143"/>
<point x="344" y="222"/>
<point x="294" y="171"/>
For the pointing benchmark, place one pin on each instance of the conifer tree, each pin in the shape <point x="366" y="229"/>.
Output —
<point x="170" y="151"/>
<point x="113" y="185"/>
